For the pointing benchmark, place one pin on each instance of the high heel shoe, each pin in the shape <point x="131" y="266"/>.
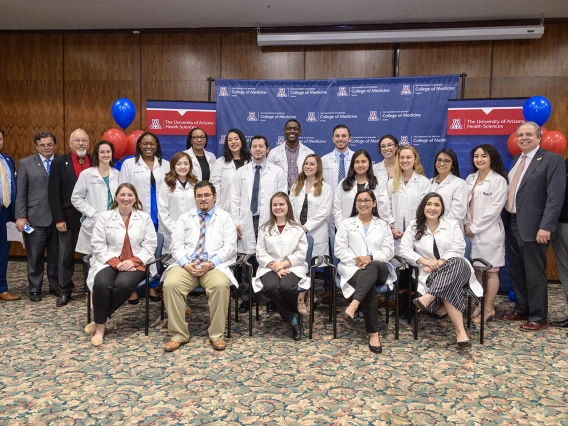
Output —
<point x="488" y="316"/>
<point x="376" y="349"/>
<point x="420" y="305"/>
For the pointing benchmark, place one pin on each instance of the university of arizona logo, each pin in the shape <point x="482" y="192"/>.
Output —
<point x="406" y="90"/>
<point x="342" y="91"/>
<point x="280" y="140"/>
<point x="223" y="91"/>
<point x="155" y="124"/>
<point x="222" y="140"/>
<point x="282" y="93"/>
<point x="456" y="124"/>
<point x="311" y="117"/>
<point x="252" y="116"/>
<point x="373" y="116"/>
<point x="404" y="140"/>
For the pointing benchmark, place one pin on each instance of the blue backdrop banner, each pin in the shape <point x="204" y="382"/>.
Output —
<point x="414" y="109"/>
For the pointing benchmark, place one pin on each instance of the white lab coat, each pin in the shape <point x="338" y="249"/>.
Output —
<point x="138" y="174"/>
<point x="272" y="180"/>
<point x="450" y="243"/>
<point x="108" y="240"/>
<point x="490" y="197"/>
<point x="273" y="246"/>
<point x="331" y="168"/>
<point x="209" y="156"/>
<point x="171" y="205"/>
<point x="222" y="176"/>
<point x="454" y="193"/>
<point x="90" y="197"/>
<point x="277" y="156"/>
<point x="380" y="170"/>
<point x="343" y="202"/>
<point x="319" y="210"/>
<point x="350" y="242"/>
<point x="220" y="239"/>
<point x="405" y="201"/>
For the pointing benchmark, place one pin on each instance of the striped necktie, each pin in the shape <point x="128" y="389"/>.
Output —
<point x="200" y="248"/>
<point x="48" y="165"/>
<point x="341" y="168"/>
<point x="5" y="186"/>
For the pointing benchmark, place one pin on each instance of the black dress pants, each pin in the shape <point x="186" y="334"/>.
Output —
<point x="283" y="292"/>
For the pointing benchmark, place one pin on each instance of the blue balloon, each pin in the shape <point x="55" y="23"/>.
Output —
<point x="123" y="112"/>
<point x="117" y="164"/>
<point x="509" y="164"/>
<point x="512" y="297"/>
<point x="537" y="109"/>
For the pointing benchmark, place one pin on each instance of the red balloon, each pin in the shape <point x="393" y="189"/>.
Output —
<point x="512" y="144"/>
<point x="118" y="139"/>
<point x="554" y="141"/>
<point x="543" y="130"/>
<point x="131" y="140"/>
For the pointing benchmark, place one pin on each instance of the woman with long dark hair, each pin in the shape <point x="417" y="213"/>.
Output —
<point x="364" y="244"/>
<point x="202" y="160"/>
<point x="436" y="246"/>
<point x="388" y="145"/>
<point x="487" y="196"/>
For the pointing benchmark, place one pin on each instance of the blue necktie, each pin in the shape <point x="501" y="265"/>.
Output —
<point x="255" y="189"/>
<point x="48" y="165"/>
<point x="341" y="167"/>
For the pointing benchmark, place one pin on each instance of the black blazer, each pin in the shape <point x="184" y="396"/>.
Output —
<point x="62" y="179"/>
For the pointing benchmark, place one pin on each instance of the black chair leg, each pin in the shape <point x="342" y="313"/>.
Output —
<point x="88" y="306"/>
<point x="482" y="326"/>
<point x="415" y="322"/>
<point x="333" y="305"/>
<point x="229" y="317"/>
<point x="396" y="312"/>
<point x="312" y="298"/>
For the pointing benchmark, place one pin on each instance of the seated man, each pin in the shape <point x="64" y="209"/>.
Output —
<point x="204" y="244"/>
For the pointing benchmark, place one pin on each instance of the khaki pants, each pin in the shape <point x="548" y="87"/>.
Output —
<point x="178" y="284"/>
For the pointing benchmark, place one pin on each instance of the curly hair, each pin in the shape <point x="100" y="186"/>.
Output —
<point x="171" y="176"/>
<point x="496" y="162"/>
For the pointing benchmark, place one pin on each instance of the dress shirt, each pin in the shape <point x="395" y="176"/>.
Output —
<point x="512" y="172"/>
<point x="215" y="259"/>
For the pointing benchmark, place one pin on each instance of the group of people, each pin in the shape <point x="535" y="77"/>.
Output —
<point x="265" y="202"/>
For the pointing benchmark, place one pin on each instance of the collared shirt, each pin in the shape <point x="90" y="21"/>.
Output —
<point x="188" y="257"/>
<point x="8" y="175"/>
<point x="46" y="158"/>
<point x="530" y="155"/>
<point x="262" y="168"/>
<point x="345" y="160"/>
<point x="292" y="159"/>
<point x="78" y="166"/>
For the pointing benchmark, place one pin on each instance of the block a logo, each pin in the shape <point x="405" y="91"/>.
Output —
<point x="311" y="117"/>
<point x="222" y="139"/>
<point x="373" y="116"/>
<point x="282" y="93"/>
<point x="223" y="91"/>
<point x="406" y="90"/>
<point x="155" y="124"/>
<point x="456" y="124"/>
<point x="342" y="91"/>
<point x="280" y="140"/>
<point x="404" y="140"/>
<point x="252" y="116"/>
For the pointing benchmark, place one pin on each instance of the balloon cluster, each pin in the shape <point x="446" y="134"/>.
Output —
<point x="123" y="111"/>
<point x="538" y="109"/>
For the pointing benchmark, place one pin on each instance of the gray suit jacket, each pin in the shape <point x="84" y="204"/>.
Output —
<point x="31" y="199"/>
<point x="540" y="194"/>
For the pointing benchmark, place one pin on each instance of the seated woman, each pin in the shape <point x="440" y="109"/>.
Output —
<point x="364" y="244"/>
<point x="281" y="253"/>
<point x="124" y="240"/>
<point x="436" y="245"/>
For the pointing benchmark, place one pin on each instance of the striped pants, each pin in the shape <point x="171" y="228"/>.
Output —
<point x="448" y="283"/>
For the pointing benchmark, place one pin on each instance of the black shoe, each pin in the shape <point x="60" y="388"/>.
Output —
<point x="134" y="301"/>
<point x="155" y="298"/>
<point x="244" y="306"/>
<point x="460" y="345"/>
<point x="270" y="307"/>
<point x="35" y="296"/>
<point x="562" y="324"/>
<point x="376" y="349"/>
<point x="298" y="329"/>
<point x="62" y="300"/>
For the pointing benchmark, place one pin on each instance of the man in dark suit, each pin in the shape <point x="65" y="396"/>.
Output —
<point x="64" y="173"/>
<point x="32" y="208"/>
<point x="8" y="201"/>
<point x="537" y="182"/>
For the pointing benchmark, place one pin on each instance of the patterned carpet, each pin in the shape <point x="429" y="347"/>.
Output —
<point x="50" y="374"/>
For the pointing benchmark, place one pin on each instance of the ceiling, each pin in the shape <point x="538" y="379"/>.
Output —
<point x="145" y="14"/>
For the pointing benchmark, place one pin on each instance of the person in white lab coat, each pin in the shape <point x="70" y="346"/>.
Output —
<point x="388" y="145"/>
<point x="436" y="246"/>
<point x="146" y="172"/>
<point x="311" y="202"/>
<point x="364" y="245"/>
<point x="124" y="240"/>
<point x="406" y="189"/>
<point x="291" y="151"/>
<point x="202" y="160"/>
<point x="281" y="252"/>
<point x="175" y="195"/>
<point x="94" y="192"/>
<point x="253" y="186"/>
<point x="235" y="155"/>
<point x="487" y="197"/>
<point x="359" y="176"/>
<point x="449" y="185"/>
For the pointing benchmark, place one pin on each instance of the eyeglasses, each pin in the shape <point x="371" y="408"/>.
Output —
<point x="199" y="137"/>
<point x="203" y="196"/>
<point x="365" y="201"/>
<point x="443" y="161"/>
<point x="45" y="146"/>
<point x="85" y="141"/>
<point x="390" y="145"/>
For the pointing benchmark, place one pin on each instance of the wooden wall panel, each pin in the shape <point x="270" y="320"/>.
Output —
<point x="353" y="61"/>
<point x="242" y="58"/>
<point x="473" y="58"/>
<point x="98" y="69"/>
<point x="176" y="66"/>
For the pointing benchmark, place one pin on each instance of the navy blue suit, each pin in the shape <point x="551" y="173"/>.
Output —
<point x="6" y="215"/>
